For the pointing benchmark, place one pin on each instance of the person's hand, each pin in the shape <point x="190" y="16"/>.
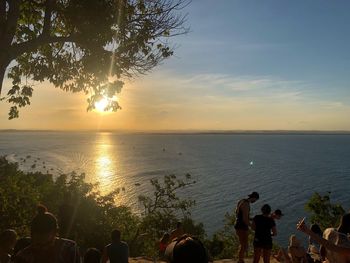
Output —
<point x="301" y="226"/>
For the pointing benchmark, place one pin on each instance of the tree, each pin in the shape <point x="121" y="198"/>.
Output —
<point x="83" y="45"/>
<point x="164" y="209"/>
<point x="323" y="212"/>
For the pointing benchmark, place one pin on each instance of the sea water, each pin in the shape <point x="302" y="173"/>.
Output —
<point x="286" y="169"/>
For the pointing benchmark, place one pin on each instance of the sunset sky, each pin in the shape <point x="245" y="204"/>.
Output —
<point x="245" y="65"/>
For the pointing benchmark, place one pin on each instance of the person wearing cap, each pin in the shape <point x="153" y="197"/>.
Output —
<point x="242" y="223"/>
<point x="277" y="214"/>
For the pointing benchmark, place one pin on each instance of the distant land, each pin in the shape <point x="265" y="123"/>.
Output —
<point x="222" y="132"/>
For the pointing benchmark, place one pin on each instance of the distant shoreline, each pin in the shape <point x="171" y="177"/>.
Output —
<point x="192" y="132"/>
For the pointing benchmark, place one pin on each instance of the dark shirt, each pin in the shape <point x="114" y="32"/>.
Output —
<point x="61" y="251"/>
<point x="239" y="216"/>
<point x="118" y="252"/>
<point x="263" y="227"/>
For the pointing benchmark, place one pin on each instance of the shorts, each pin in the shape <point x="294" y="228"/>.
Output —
<point x="262" y="244"/>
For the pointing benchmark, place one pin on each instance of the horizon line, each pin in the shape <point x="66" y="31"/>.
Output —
<point x="187" y="131"/>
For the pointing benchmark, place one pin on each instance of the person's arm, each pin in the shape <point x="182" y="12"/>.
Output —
<point x="301" y="226"/>
<point x="104" y="256"/>
<point x="274" y="231"/>
<point x="253" y="226"/>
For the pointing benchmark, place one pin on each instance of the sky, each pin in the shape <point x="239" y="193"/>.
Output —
<point x="244" y="65"/>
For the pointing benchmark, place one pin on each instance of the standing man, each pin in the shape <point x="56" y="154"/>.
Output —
<point x="117" y="251"/>
<point x="243" y="223"/>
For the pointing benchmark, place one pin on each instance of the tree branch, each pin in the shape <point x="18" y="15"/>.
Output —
<point x="11" y="22"/>
<point x="32" y="45"/>
<point x="47" y="17"/>
<point x="2" y="17"/>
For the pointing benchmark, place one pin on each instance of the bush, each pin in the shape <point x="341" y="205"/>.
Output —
<point x="87" y="216"/>
<point x="323" y="212"/>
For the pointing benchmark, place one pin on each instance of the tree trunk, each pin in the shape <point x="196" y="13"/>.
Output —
<point x="4" y="62"/>
<point x="2" y="74"/>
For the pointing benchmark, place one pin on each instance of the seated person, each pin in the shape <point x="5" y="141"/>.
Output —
<point x="117" y="251"/>
<point x="186" y="249"/>
<point x="335" y="241"/>
<point x="7" y="242"/>
<point x="297" y="252"/>
<point x="314" y="248"/>
<point x="45" y="246"/>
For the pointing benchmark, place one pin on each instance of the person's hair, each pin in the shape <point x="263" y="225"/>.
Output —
<point x="293" y="241"/>
<point x="21" y="244"/>
<point x="345" y="223"/>
<point x="44" y="222"/>
<point x="316" y="229"/>
<point x="187" y="249"/>
<point x="278" y="212"/>
<point x="178" y="224"/>
<point x="115" y="235"/>
<point x="266" y="209"/>
<point x="165" y="238"/>
<point x="92" y="255"/>
<point x="254" y="195"/>
<point x="7" y="236"/>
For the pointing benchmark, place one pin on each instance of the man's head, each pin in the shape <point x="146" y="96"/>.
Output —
<point x="186" y="249"/>
<point x="277" y="214"/>
<point x="115" y="235"/>
<point x="345" y="223"/>
<point x="178" y="225"/>
<point x="253" y="197"/>
<point x="8" y="240"/>
<point x="43" y="227"/>
<point x="266" y="209"/>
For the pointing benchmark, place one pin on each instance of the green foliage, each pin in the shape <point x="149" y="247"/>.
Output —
<point x="224" y="243"/>
<point x="86" y="46"/>
<point x="163" y="209"/>
<point x="93" y="215"/>
<point x="323" y="212"/>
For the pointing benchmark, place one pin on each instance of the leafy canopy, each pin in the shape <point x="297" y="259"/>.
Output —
<point x="83" y="46"/>
<point x="323" y="211"/>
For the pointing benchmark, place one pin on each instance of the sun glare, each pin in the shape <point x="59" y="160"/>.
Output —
<point x="101" y="105"/>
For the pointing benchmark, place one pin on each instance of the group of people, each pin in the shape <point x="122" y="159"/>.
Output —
<point x="263" y="225"/>
<point x="44" y="245"/>
<point x="330" y="246"/>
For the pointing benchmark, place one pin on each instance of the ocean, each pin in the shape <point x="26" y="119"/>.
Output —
<point x="286" y="169"/>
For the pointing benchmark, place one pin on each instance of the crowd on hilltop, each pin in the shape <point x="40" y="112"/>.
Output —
<point x="45" y="246"/>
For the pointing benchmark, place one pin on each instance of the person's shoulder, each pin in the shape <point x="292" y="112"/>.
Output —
<point x="329" y="232"/>
<point x="124" y="244"/>
<point x="66" y="242"/>
<point x="24" y="254"/>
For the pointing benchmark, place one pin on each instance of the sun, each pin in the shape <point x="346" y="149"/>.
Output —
<point x="101" y="105"/>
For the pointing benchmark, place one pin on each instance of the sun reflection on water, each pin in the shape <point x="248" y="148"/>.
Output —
<point x="106" y="170"/>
